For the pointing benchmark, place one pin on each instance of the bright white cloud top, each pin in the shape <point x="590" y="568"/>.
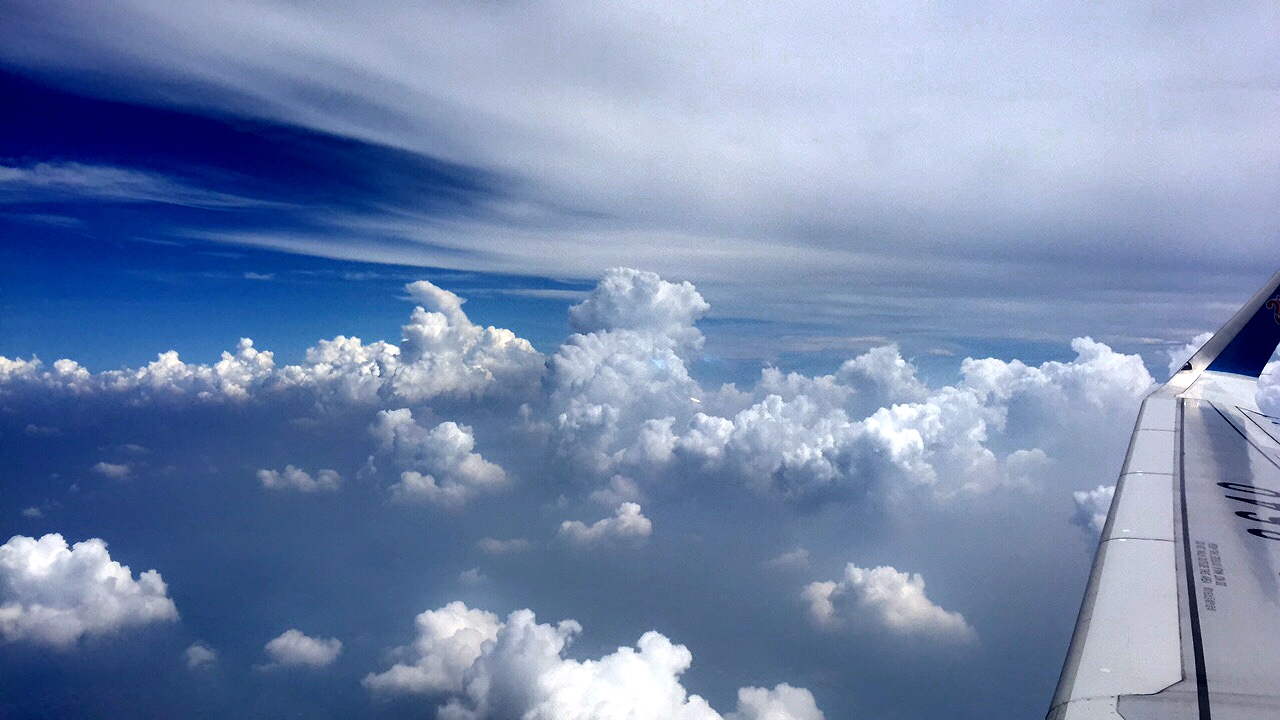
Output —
<point x="443" y="470"/>
<point x="1092" y="507"/>
<point x="294" y="648"/>
<point x="292" y="478"/>
<point x="485" y="668"/>
<point x="54" y="595"/>
<point x="627" y="524"/>
<point x="884" y="598"/>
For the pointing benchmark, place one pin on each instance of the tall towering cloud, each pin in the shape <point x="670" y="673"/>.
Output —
<point x="484" y="669"/>
<point x="624" y="374"/>
<point x="52" y="594"/>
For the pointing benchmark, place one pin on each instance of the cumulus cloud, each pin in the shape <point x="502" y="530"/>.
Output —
<point x="642" y="302"/>
<point x="198" y="655"/>
<point x="293" y="648"/>
<point x="484" y="668"/>
<point x="52" y="594"/>
<point x="1092" y="507"/>
<point x="617" y="406"/>
<point x="442" y="355"/>
<point x="292" y="478"/>
<point x="885" y="598"/>
<point x="440" y="467"/>
<point x="627" y="523"/>
<point x="1178" y="356"/>
<point x="33" y="512"/>
<point x="449" y="641"/>
<point x="1268" y="393"/>
<point x="616" y="387"/>
<point x="115" y="471"/>
<point x="619" y="398"/>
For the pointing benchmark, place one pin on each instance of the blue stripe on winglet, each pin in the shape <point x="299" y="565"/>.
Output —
<point x="1251" y="348"/>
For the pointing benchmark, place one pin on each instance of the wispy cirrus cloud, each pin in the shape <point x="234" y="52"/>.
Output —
<point x="794" y="161"/>
<point x="78" y="182"/>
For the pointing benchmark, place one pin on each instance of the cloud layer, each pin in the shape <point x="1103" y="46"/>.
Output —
<point x="607" y="480"/>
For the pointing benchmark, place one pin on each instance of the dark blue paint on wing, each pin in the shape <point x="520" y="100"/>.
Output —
<point x="1251" y="348"/>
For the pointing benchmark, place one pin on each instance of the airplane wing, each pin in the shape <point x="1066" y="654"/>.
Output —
<point x="1181" y="616"/>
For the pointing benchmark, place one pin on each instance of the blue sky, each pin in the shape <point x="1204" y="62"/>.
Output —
<point x="776" y="359"/>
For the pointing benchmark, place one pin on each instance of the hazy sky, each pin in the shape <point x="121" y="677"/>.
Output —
<point x="733" y="361"/>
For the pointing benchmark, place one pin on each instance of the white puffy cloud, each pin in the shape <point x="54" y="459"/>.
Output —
<point x="52" y="594"/>
<point x="439" y="465"/>
<point x="198" y="655"/>
<point x="292" y="478"/>
<point x="1268" y="393"/>
<point x="114" y="471"/>
<point x="783" y="702"/>
<point x="1092" y="507"/>
<point x="620" y="399"/>
<point x="293" y="648"/>
<point x="642" y="302"/>
<point x="804" y="441"/>
<point x="627" y="523"/>
<point x="617" y="404"/>
<point x="488" y="669"/>
<point x="442" y="355"/>
<point x="1179" y="355"/>
<point x="615" y="389"/>
<point x="882" y="597"/>
<point x="449" y="642"/>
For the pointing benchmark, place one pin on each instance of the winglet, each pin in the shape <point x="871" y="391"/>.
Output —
<point x="1245" y="344"/>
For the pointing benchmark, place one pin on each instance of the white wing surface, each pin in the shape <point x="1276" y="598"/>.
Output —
<point x="1181" y="618"/>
